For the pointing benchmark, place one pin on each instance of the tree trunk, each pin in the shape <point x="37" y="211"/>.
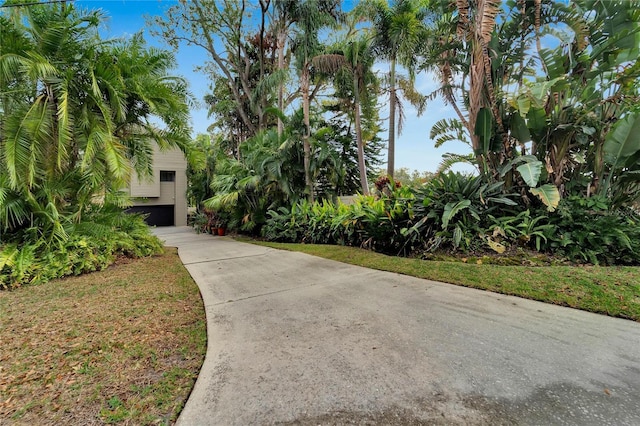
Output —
<point x="391" y="155"/>
<point x="53" y="155"/>
<point x="476" y="102"/>
<point x="282" y="36"/>
<point x="304" y="85"/>
<point x="362" y="167"/>
<point x="476" y="84"/>
<point x="264" y="6"/>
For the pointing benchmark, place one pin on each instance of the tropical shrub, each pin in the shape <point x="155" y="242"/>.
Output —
<point x="522" y="230"/>
<point x="281" y="226"/>
<point x="588" y="230"/>
<point x="453" y="210"/>
<point x="378" y="223"/>
<point x="90" y="246"/>
<point x="305" y="222"/>
<point x="79" y="115"/>
<point x="457" y="212"/>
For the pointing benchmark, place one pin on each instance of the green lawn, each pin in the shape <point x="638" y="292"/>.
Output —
<point x="612" y="291"/>
<point x="124" y="345"/>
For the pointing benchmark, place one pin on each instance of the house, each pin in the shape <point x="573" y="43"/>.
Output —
<point x="163" y="196"/>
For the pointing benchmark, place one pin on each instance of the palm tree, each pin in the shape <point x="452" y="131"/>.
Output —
<point x="285" y="12"/>
<point x="459" y="52"/>
<point x="360" y="58"/>
<point x="83" y="121"/>
<point x="150" y="91"/>
<point x="310" y="17"/>
<point x="43" y="129"/>
<point x="354" y="78"/>
<point x="476" y="24"/>
<point x="400" y="31"/>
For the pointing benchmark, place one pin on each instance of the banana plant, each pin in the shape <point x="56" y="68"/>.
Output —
<point x="531" y="170"/>
<point x="622" y="153"/>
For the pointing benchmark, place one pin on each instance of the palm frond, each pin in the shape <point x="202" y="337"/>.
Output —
<point x="116" y="159"/>
<point x="268" y="84"/>
<point x="13" y="209"/>
<point x="463" y="17"/>
<point x="415" y="98"/>
<point x="222" y="201"/>
<point x="448" y="129"/>
<point x="65" y="124"/>
<point x="450" y="159"/>
<point x="489" y="10"/>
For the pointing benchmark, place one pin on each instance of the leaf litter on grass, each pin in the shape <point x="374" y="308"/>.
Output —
<point x="102" y="348"/>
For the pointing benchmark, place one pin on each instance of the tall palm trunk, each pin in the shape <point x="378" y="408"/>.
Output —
<point x="476" y="99"/>
<point x="304" y="85"/>
<point x="53" y="149"/>
<point x="362" y="168"/>
<point x="481" y="92"/>
<point x="391" y="152"/>
<point x="281" y="39"/>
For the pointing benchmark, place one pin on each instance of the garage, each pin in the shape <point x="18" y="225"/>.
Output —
<point x="163" y="215"/>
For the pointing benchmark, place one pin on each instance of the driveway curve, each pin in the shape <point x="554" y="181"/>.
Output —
<point x="298" y="340"/>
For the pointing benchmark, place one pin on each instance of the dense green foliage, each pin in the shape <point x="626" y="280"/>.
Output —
<point x="590" y="230"/>
<point x="545" y="95"/>
<point x="294" y="114"/>
<point x="269" y="174"/>
<point x="550" y="93"/>
<point x="458" y="213"/>
<point x="544" y="124"/>
<point x="92" y="245"/>
<point x="76" y="116"/>
<point x="379" y="224"/>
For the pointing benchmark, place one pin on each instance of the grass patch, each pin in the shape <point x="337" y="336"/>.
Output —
<point x="124" y="345"/>
<point x="613" y="291"/>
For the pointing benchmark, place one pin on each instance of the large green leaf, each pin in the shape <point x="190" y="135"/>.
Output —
<point x="519" y="128"/>
<point x="556" y="68"/>
<point x="541" y="90"/>
<point x="549" y="195"/>
<point x="623" y="141"/>
<point x="451" y="209"/>
<point x="524" y="104"/>
<point x="537" y="121"/>
<point x="530" y="172"/>
<point x="517" y="160"/>
<point x="484" y="128"/>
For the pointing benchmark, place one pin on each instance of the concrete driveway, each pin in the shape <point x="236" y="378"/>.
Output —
<point x="299" y="340"/>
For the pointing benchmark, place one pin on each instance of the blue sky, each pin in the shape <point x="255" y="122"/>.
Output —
<point x="414" y="149"/>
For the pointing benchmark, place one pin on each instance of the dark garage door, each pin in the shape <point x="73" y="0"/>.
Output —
<point x="158" y="215"/>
